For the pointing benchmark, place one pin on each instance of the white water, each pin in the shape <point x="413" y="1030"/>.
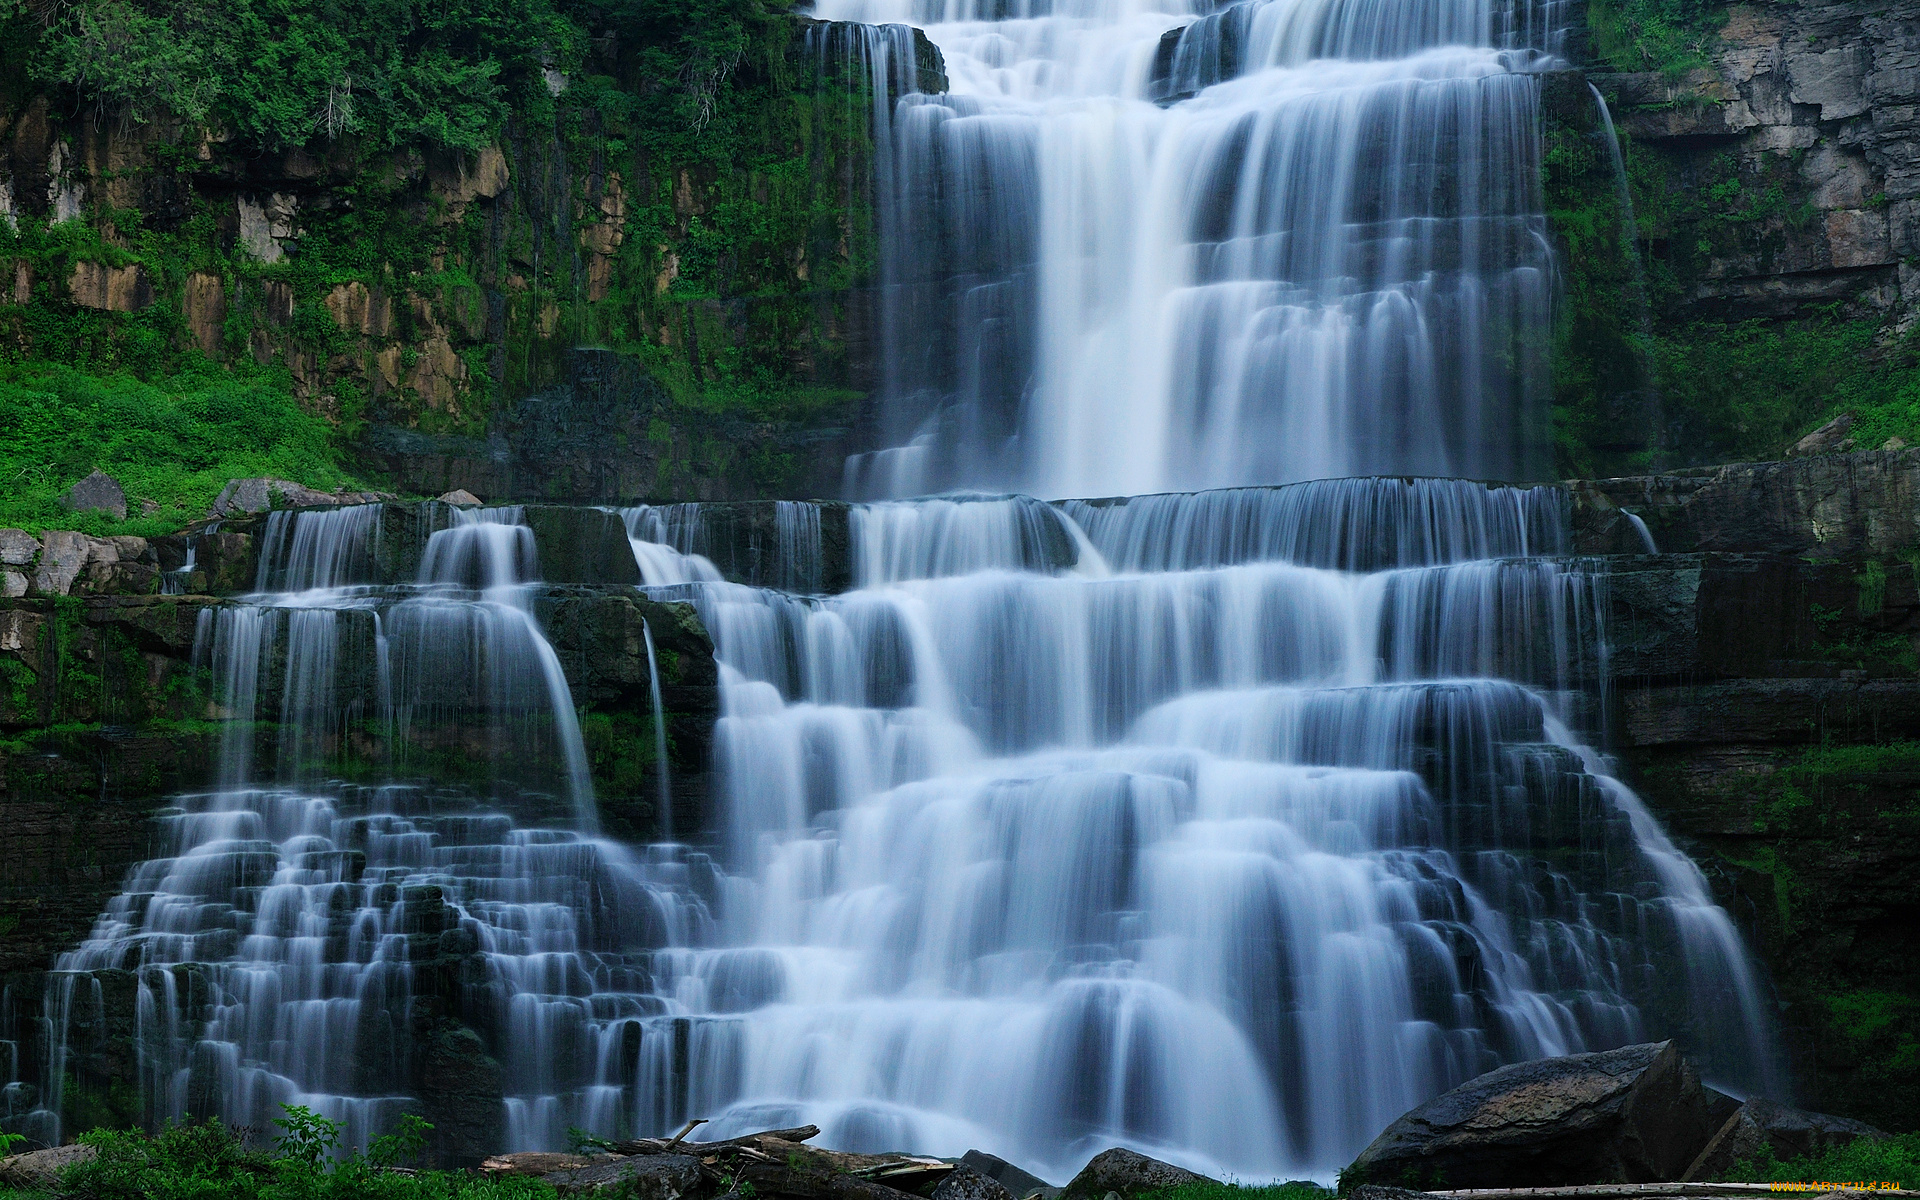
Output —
<point x="1329" y="260"/>
<point x="1225" y="825"/>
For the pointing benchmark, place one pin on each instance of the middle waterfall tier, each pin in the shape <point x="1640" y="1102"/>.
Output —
<point x="1225" y="826"/>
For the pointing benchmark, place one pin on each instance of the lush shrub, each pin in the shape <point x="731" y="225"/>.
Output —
<point x="173" y="443"/>
<point x="208" y="1161"/>
<point x="1748" y="391"/>
<point x="1891" y="1160"/>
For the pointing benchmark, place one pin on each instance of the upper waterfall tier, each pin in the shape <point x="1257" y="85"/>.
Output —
<point x="1330" y="258"/>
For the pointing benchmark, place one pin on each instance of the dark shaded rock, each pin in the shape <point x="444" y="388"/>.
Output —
<point x="1015" y="1180"/>
<point x="1374" y="1191"/>
<point x="1632" y="1115"/>
<point x="1127" y="1173"/>
<point x="461" y="1089"/>
<point x="965" y="1183"/>
<point x="1828" y="506"/>
<point x="640" y="1177"/>
<point x="41" y="1169"/>
<point x="1761" y="1127"/>
<point x="98" y="492"/>
<point x="582" y="545"/>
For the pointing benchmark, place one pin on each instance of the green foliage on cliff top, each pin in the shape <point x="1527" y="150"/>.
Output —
<point x="279" y="74"/>
<point x="1668" y="36"/>
<point x="174" y="442"/>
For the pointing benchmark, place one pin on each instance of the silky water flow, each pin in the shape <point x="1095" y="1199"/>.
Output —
<point x="1226" y="824"/>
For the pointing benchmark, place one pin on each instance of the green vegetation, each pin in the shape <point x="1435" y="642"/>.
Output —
<point x="1891" y="1160"/>
<point x="1668" y="36"/>
<point x="208" y="1161"/>
<point x="172" y="444"/>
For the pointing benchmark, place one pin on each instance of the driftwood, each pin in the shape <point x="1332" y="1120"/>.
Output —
<point x="775" y="1162"/>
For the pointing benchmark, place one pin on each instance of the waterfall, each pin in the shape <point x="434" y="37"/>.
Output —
<point x="1328" y="228"/>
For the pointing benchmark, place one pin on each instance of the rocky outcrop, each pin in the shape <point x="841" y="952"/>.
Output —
<point x="1127" y="1173"/>
<point x="1766" y="705"/>
<point x="1832" y="506"/>
<point x="98" y="492"/>
<point x="1632" y="1115"/>
<point x="40" y="1169"/>
<point x="243" y="496"/>
<point x="1763" y="1128"/>
<point x="1814" y="106"/>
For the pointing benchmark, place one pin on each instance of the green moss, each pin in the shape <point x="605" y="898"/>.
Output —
<point x="1668" y="36"/>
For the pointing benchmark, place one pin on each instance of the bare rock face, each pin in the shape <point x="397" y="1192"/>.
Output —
<point x="1830" y="438"/>
<point x="63" y="555"/>
<point x="41" y="1169"/>
<point x="1127" y="1173"/>
<point x="204" y="303"/>
<point x="114" y="289"/>
<point x="1633" y="1115"/>
<point x="98" y="492"/>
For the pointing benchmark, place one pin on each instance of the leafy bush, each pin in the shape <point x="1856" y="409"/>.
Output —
<point x="173" y="444"/>
<point x="1748" y="391"/>
<point x="208" y="1161"/>
<point x="1668" y="36"/>
<point x="1890" y="1160"/>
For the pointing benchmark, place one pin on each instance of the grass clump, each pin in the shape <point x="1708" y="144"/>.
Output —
<point x="1208" y="1189"/>
<point x="209" y="1161"/>
<point x="171" y="444"/>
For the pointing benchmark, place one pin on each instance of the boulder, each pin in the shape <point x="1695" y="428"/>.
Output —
<point x="965" y="1183"/>
<point x="1831" y="438"/>
<point x="638" y="1177"/>
<point x="1019" y="1182"/>
<point x="17" y="547"/>
<point x="98" y="492"/>
<point x="63" y="555"/>
<point x="1633" y="1115"/>
<point x="1762" y="1127"/>
<point x="462" y="497"/>
<point x="1128" y="1174"/>
<point x="38" y="1170"/>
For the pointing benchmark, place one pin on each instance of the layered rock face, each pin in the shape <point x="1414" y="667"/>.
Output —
<point x="1766" y="701"/>
<point x="1814" y="104"/>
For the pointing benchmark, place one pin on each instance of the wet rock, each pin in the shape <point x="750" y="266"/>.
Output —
<point x="1830" y="438"/>
<point x="1128" y="1174"/>
<point x="582" y="545"/>
<point x="1015" y="1180"/>
<point x="965" y="1183"/>
<point x="98" y="492"/>
<point x="1762" y="1126"/>
<point x="1632" y="1115"/>
<point x="640" y="1177"/>
<point x="461" y="1087"/>
<point x="1828" y="506"/>
<point x="40" y="1169"/>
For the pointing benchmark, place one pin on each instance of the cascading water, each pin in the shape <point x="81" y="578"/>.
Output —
<point x="1228" y="826"/>
<point x="1333" y="241"/>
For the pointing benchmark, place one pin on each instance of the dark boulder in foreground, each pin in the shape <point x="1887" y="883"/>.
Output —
<point x="1762" y="1126"/>
<point x="965" y="1183"/>
<point x="1128" y="1174"/>
<point x="1633" y="1115"/>
<point x="1021" y="1183"/>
